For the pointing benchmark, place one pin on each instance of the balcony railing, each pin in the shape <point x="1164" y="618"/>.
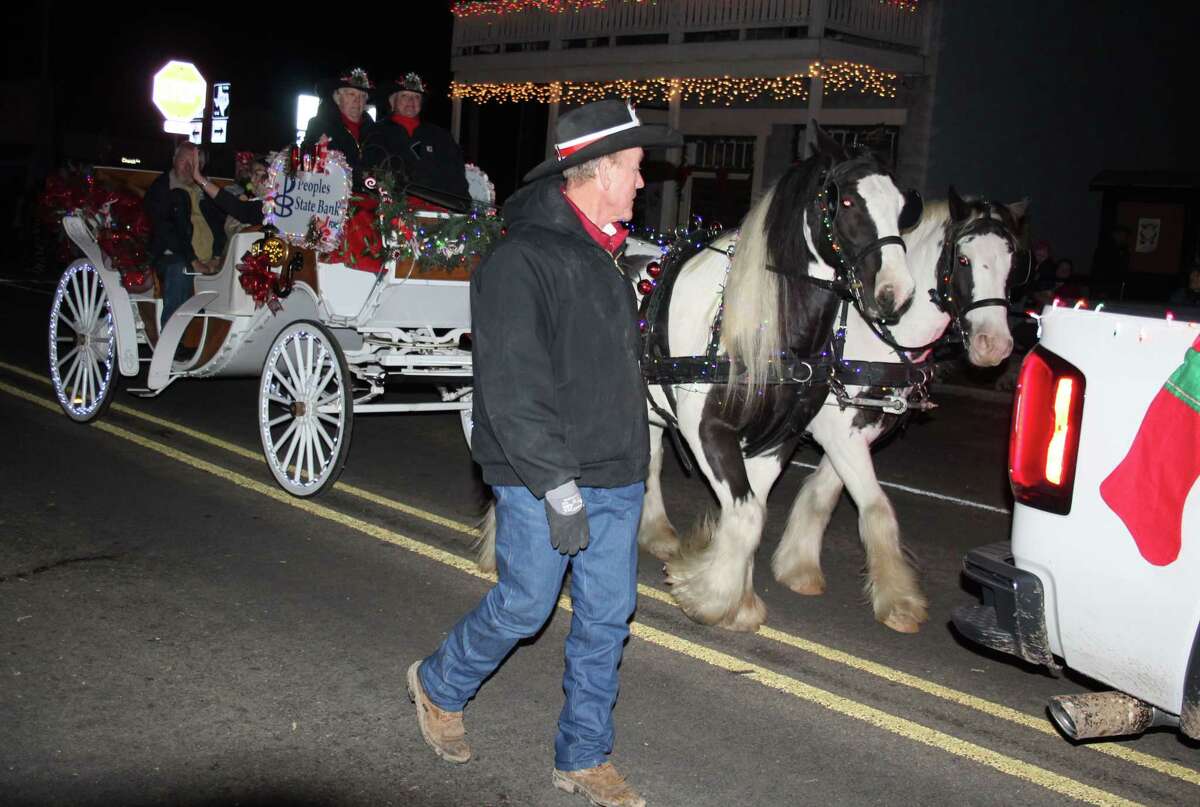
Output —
<point x="675" y="21"/>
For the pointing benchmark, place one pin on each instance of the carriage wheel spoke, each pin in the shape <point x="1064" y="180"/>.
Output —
<point x="275" y="399"/>
<point x="278" y="444"/>
<point x="69" y="378"/>
<point x="66" y="359"/>
<point x="308" y="452"/>
<point x="287" y="385"/>
<point x="279" y="419"/>
<point x="74" y="297"/>
<point x="324" y="382"/>
<point x="295" y="380"/>
<point x="330" y="403"/>
<point x="323" y="433"/>
<point x="330" y="419"/>
<point x="298" y="369"/>
<point x="318" y="435"/>
<point x="74" y="323"/>
<point x="309" y="370"/>
<point x="88" y="380"/>
<point x="89" y="300"/>
<point x="295" y="441"/>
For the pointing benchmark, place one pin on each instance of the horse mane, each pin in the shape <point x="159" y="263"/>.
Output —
<point x="754" y="325"/>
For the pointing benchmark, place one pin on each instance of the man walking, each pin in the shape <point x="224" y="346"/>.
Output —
<point x="560" y="432"/>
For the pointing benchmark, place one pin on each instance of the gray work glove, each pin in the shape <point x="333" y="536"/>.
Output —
<point x="568" y="518"/>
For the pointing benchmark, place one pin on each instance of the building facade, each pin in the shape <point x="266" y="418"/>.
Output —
<point x="740" y="78"/>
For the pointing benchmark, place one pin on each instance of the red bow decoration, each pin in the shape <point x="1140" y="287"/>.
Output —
<point x="258" y="280"/>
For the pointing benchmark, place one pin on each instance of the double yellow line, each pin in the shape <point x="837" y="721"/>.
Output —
<point x="792" y="686"/>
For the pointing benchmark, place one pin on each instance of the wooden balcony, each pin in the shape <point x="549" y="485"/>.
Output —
<point x="689" y="38"/>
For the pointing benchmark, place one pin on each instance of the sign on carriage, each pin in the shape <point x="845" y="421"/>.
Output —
<point x="308" y="205"/>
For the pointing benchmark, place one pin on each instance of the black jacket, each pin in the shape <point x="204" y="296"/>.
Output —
<point x="247" y="211"/>
<point x="328" y="122"/>
<point x="558" y="388"/>
<point x="170" y="214"/>
<point x="430" y="157"/>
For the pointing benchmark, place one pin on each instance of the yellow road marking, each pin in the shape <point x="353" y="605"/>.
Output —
<point x="897" y="725"/>
<point x="1036" y="722"/>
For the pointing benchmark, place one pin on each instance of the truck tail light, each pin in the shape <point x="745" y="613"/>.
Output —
<point x="1044" y="442"/>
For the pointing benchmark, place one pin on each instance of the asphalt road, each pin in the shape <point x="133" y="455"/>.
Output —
<point x="175" y="629"/>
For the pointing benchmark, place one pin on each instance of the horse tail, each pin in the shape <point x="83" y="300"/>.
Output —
<point x="485" y="545"/>
<point x="751" y="332"/>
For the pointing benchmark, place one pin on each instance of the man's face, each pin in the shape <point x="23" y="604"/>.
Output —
<point x="1041" y="253"/>
<point x="624" y="180"/>
<point x="406" y="103"/>
<point x="185" y="159"/>
<point x="258" y="179"/>
<point x="351" y="102"/>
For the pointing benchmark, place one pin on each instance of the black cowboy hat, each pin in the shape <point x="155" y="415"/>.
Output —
<point x="597" y="129"/>
<point x="409" y="82"/>
<point x="353" y="78"/>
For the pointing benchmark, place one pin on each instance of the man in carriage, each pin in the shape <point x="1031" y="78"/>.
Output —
<point x="561" y="433"/>
<point x="342" y="117"/>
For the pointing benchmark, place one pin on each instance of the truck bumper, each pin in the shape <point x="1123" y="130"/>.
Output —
<point x="1012" y="617"/>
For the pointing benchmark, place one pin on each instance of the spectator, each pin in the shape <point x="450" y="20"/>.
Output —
<point x="1111" y="259"/>
<point x="1189" y="293"/>
<point x="427" y="153"/>
<point x="342" y="118"/>
<point x="240" y="209"/>
<point x="187" y="233"/>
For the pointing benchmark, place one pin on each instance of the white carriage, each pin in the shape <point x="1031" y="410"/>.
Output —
<point x="323" y="356"/>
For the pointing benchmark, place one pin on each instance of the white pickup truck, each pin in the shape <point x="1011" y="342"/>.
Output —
<point x="1103" y="569"/>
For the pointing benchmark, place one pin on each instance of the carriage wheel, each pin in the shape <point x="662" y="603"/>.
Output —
<point x="467" y="424"/>
<point x="83" y="344"/>
<point x="305" y="409"/>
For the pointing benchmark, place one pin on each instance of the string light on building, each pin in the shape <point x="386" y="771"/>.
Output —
<point x="838" y="77"/>
<point x="478" y="8"/>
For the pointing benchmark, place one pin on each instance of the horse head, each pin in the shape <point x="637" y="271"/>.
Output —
<point x="855" y="221"/>
<point x="981" y="246"/>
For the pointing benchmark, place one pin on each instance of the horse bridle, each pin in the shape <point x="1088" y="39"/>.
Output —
<point x="845" y="283"/>
<point x="943" y="295"/>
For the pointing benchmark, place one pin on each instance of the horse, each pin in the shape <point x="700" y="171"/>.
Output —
<point x="960" y="253"/>
<point x="770" y="311"/>
<point x="829" y="227"/>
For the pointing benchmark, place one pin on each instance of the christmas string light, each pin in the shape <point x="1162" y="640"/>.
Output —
<point x="838" y="77"/>
<point x="479" y="8"/>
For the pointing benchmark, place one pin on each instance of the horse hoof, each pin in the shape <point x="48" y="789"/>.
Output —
<point x="810" y="585"/>
<point x="905" y="617"/>
<point x="902" y="623"/>
<point x="749" y="616"/>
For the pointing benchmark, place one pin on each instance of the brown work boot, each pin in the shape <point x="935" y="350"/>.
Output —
<point x="441" y="729"/>
<point x="601" y="784"/>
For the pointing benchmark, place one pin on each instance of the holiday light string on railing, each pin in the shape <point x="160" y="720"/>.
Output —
<point x="838" y="77"/>
<point x="480" y="8"/>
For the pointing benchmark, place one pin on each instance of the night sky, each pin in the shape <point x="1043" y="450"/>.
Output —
<point x="102" y="59"/>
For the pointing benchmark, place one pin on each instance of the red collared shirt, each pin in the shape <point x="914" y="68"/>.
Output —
<point x="352" y="126"/>
<point x="410" y="124"/>
<point x="609" y="243"/>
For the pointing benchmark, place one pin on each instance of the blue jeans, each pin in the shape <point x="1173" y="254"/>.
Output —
<point x="176" y="286"/>
<point x="603" y="594"/>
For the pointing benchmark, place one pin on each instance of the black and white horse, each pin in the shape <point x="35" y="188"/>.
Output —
<point x="960" y="254"/>
<point x="831" y="223"/>
<point x="830" y="227"/>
